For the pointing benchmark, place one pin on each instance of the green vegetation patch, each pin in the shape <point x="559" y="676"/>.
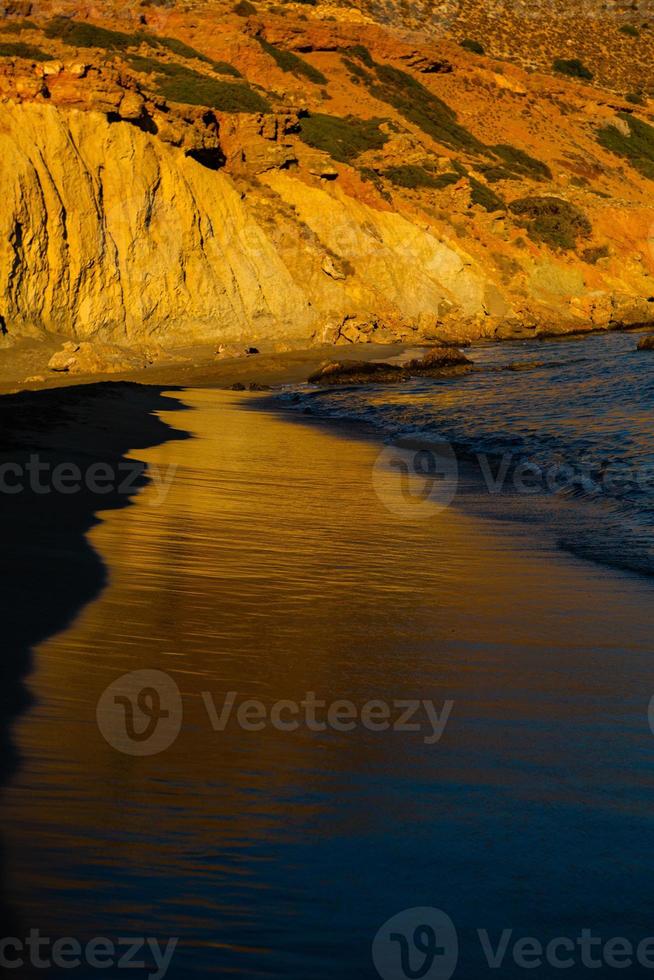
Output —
<point x="572" y="67"/>
<point x="16" y="49"/>
<point x="485" y="197"/>
<point x="180" y="84"/>
<point x="173" y="69"/>
<point x="245" y="9"/>
<point x="81" y="35"/>
<point x="414" y="102"/>
<point x="292" y="63"/>
<point x="17" y="26"/>
<point x="183" y="50"/>
<point x="629" y="30"/>
<point x="637" y="148"/>
<point x="415" y="176"/>
<point x="493" y="173"/>
<point x="361" y="52"/>
<point x="473" y="46"/>
<point x="593" y="255"/>
<point x="422" y="108"/>
<point x="521" y="163"/>
<point x="554" y="222"/>
<point x="358" y="74"/>
<point x="343" y="138"/>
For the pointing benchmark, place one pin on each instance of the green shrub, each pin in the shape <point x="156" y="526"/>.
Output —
<point x="636" y="98"/>
<point x="553" y="221"/>
<point x="521" y="163"/>
<point x="16" y="49"/>
<point x="413" y="176"/>
<point x="357" y="73"/>
<point x="179" y="84"/>
<point x="441" y="181"/>
<point x="245" y="9"/>
<point x="81" y="35"/>
<point x="183" y="50"/>
<point x="419" y="106"/>
<point x="593" y="255"/>
<point x="361" y="52"/>
<point x="171" y="69"/>
<point x="572" y="67"/>
<point x="493" y="173"/>
<point x="629" y="30"/>
<point x="638" y="147"/>
<point x="485" y="197"/>
<point x="17" y="26"/>
<point x="290" y="62"/>
<point x="415" y="103"/>
<point x="473" y="46"/>
<point x="343" y="138"/>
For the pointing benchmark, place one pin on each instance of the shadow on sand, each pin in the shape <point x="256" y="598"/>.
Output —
<point x="49" y="571"/>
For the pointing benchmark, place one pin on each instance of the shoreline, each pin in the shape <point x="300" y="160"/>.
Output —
<point x="198" y="366"/>
<point x="474" y="496"/>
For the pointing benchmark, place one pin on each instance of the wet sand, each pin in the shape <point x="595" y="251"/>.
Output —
<point x="271" y="568"/>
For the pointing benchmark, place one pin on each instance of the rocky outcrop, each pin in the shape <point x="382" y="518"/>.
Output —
<point x="440" y="360"/>
<point x="87" y="358"/>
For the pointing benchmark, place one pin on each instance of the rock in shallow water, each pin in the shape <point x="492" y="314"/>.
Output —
<point x="435" y="362"/>
<point x="647" y="343"/>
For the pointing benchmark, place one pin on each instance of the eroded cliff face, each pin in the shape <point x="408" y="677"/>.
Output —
<point x="381" y="192"/>
<point x="106" y="231"/>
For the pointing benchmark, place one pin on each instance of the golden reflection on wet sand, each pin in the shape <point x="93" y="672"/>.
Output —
<point x="271" y="568"/>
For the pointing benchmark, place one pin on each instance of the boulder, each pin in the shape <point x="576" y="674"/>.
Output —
<point x="646" y="343"/>
<point x="435" y="362"/>
<point x="437" y="359"/>
<point x="357" y="372"/>
<point x="88" y="358"/>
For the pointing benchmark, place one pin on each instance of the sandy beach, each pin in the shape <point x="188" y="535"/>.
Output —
<point x="258" y="558"/>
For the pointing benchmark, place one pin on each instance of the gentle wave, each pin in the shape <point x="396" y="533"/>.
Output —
<point x="578" y="412"/>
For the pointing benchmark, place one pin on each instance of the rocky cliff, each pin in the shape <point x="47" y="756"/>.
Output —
<point x="211" y="174"/>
